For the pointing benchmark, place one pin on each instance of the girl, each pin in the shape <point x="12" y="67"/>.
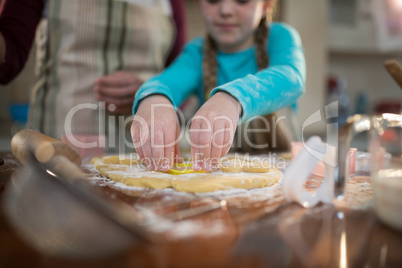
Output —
<point x="244" y="66"/>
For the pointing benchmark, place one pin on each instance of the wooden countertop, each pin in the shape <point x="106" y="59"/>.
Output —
<point x="253" y="232"/>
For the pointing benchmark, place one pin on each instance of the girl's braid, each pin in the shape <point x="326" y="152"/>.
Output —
<point x="261" y="44"/>
<point x="209" y="65"/>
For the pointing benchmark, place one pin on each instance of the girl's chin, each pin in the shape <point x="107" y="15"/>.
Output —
<point x="229" y="46"/>
<point x="227" y="42"/>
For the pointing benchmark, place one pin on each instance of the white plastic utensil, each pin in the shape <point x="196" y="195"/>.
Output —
<point x="296" y="175"/>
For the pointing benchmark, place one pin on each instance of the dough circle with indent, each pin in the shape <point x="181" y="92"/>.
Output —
<point x="132" y="173"/>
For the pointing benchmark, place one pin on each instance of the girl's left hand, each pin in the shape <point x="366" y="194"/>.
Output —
<point x="212" y="130"/>
<point x="118" y="89"/>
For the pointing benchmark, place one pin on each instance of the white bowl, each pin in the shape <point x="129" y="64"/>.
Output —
<point x="387" y="186"/>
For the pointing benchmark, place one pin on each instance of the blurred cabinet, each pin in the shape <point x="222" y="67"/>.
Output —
<point x="365" y="26"/>
<point x="309" y="17"/>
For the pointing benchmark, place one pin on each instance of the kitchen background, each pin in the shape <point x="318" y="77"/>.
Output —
<point x="346" y="43"/>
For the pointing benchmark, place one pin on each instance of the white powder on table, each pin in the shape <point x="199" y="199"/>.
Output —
<point x="241" y="199"/>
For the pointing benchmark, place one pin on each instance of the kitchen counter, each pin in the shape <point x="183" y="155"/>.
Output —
<point x="248" y="233"/>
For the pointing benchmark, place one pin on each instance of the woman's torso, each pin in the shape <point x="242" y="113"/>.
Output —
<point x="83" y="40"/>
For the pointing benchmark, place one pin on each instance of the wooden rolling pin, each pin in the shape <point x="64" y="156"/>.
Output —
<point x="395" y="70"/>
<point x="44" y="148"/>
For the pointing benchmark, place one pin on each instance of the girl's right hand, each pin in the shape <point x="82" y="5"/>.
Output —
<point x="155" y="131"/>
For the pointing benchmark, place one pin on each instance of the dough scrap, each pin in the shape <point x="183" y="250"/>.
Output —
<point x="214" y="182"/>
<point x="112" y="159"/>
<point x="138" y="175"/>
<point x="129" y="162"/>
<point x="231" y="166"/>
<point x="242" y="165"/>
<point x="127" y="159"/>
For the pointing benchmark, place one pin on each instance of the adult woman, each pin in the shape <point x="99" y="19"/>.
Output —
<point x="87" y="52"/>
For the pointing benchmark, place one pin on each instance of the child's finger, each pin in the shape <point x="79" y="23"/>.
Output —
<point x="146" y="148"/>
<point x="204" y="143"/>
<point x="177" y="157"/>
<point x="136" y="137"/>
<point x="170" y="142"/>
<point x="217" y="143"/>
<point x="228" y="139"/>
<point x="157" y="146"/>
<point x="195" y="150"/>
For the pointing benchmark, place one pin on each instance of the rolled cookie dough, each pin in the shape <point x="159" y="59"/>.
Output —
<point x="139" y="176"/>
<point x="239" y="165"/>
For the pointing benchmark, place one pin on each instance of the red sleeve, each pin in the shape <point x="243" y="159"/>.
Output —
<point x="18" y="22"/>
<point x="179" y="19"/>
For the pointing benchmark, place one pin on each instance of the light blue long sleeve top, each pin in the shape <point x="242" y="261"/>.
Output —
<point x="258" y="92"/>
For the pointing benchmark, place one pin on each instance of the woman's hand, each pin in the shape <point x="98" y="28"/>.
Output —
<point x="212" y="130"/>
<point x="118" y="89"/>
<point x="155" y="131"/>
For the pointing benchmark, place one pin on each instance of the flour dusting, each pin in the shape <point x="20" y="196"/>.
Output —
<point x="242" y="199"/>
<point x="189" y="228"/>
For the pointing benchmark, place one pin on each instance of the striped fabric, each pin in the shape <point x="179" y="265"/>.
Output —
<point x="83" y="40"/>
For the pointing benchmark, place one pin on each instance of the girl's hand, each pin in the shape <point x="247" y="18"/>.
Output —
<point x="118" y="89"/>
<point x="155" y="131"/>
<point x="212" y="130"/>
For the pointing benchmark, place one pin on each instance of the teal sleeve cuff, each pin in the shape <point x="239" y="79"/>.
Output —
<point x="265" y="92"/>
<point x="235" y="94"/>
<point x="152" y="88"/>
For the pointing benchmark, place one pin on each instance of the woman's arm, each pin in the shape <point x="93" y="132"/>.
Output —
<point x="18" y="22"/>
<point x="277" y="86"/>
